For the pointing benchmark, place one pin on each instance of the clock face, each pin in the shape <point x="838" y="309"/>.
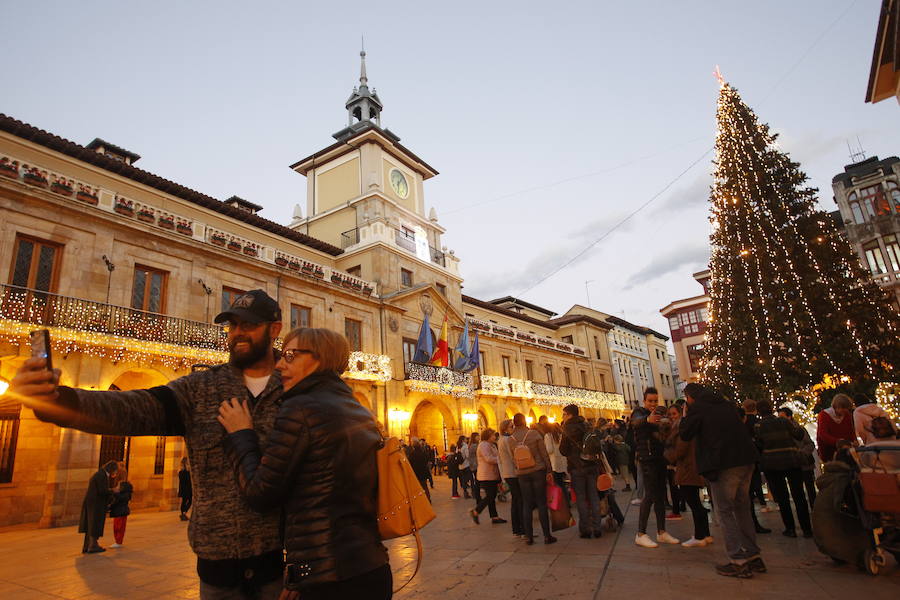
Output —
<point x="398" y="182"/>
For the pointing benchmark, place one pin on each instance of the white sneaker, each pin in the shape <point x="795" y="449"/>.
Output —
<point x="115" y="545"/>
<point x="708" y="539"/>
<point x="694" y="543"/>
<point x="642" y="539"/>
<point x="666" y="538"/>
<point x="636" y="501"/>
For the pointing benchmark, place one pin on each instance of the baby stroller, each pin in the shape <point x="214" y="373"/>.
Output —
<point x="856" y="517"/>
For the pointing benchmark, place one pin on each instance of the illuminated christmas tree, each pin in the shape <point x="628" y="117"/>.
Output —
<point x="789" y="300"/>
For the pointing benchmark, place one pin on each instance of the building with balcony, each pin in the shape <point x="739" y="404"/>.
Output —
<point x="868" y="197"/>
<point x="687" y="323"/>
<point x="127" y="269"/>
<point x="884" y="74"/>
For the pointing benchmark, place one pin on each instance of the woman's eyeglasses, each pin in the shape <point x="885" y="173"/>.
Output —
<point x="290" y="355"/>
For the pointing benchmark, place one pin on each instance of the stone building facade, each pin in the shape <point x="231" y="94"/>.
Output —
<point x="687" y="323"/>
<point x="126" y="269"/>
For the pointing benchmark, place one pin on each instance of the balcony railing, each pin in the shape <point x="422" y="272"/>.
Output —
<point x="439" y="380"/>
<point x="349" y="238"/>
<point x="407" y="241"/>
<point x="52" y="310"/>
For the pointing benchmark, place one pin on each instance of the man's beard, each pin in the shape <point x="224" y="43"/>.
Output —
<point x="251" y="356"/>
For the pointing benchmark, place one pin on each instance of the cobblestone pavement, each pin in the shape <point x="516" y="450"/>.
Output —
<point x="461" y="558"/>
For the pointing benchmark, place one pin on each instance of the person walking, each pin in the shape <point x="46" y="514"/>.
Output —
<point x="528" y="446"/>
<point x="185" y="488"/>
<point x="472" y="461"/>
<point x="465" y="473"/>
<point x="835" y="423"/>
<point x="781" y="461"/>
<point x="751" y="418"/>
<point x="239" y="551"/>
<point x="453" y="460"/>
<point x="673" y="413"/>
<point x="648" y="440"/>
<point x="488" y="475"/>
<point x="725" y="456"/>
<point x="584" y="471"/>
<point x="318" y="470"/>
<point x="417" y="454"/>
<point x="94" y="506"/>
<point x="552" y="438"/>
<point x="431" y="455"/>
<point x="508" y="474"/>
<point x="118" y="510"/>
<point x="622" y="455"/>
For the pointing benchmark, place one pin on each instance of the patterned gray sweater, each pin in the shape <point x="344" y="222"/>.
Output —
<point x="222" y="525"/>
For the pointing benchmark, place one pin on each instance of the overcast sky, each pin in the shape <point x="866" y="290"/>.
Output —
<point x="549" y="122"/>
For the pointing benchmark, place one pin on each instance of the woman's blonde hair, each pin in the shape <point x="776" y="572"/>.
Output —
<point x="841" y="401"/>
<point x="330" y="348"/>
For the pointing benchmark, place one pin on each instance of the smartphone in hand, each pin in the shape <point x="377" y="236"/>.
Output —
<point x="40" y="346"/>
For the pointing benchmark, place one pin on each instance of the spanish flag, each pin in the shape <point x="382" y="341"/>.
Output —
<point x="441" y="356"/>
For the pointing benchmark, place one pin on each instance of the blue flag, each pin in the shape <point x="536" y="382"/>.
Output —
<point x="425" y="345"/>
<point x="473" y="360"/>
<point x="461" y="352"/>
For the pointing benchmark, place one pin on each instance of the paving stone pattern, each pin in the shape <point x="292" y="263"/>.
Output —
<point x="462" y="560"/>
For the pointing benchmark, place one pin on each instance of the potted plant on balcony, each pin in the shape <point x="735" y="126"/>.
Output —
<point x="124" y="207"/>
<point x="147" y="215"/>
<point x="35" y="177"/>
<point x="281" y="260"/>
<point x="307" y="268"/>
<point x="184" y="227"/>
<point x="251" y="250"/>
<point x="218" y="239"/>
<point x="336" y="278"/>
<point x="61" y="186"/>
<point x="86" y="194"/>
<point x="294" y="265"/>
<point x="166" y="221"/>
<point x="234" y="245"/>
<point x="318" y="272"/>
<point x="367" y="289"/>
<point x="9" y="169"/>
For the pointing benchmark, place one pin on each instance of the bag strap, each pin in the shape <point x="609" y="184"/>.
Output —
<point x="419" y="549"/>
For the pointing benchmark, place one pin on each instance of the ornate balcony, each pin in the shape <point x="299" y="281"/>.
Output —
<point x="439" y="380"/>
<point x="548" y="394"/>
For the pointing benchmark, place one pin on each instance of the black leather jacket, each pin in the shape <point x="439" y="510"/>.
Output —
<point x="319" y="465"/>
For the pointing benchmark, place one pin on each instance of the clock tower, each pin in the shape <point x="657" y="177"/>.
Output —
<point x="365" y="194"/>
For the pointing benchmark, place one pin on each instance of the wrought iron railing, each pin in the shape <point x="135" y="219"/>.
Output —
<point x="349" y="238"/>
<point x="51" y="310"/>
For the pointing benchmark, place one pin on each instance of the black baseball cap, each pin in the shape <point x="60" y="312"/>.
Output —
<point x="254" y="306"/>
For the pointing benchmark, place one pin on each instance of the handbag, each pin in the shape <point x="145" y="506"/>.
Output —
<point x="604" y="482"/>
<point x="554" y="496"/>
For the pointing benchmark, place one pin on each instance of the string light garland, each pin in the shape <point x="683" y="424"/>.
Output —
<point x="369" y="367"/>
<point x="887" y="394"/>
<point x="439" y="380"/>
<point x="790" y="304"/>
<point x="550" y="395"/>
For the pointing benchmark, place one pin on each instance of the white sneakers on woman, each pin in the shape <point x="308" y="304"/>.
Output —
<point x="694" y="543"/>
<point x="666" y="538"/>
<point x="642" y="539"/>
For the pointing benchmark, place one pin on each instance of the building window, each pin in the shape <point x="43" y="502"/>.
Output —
<point x="409" y="350"/>
<point x="695" y="355"/>
<point x="584" y="382"/>
<point x="529" y="370"/>
<point x="299" y="316"/>
<point x="549" y="368"/>
<point x="567" y="339"/>
<point x="871" y="197"/>
<point x="442" y="289"/>
<point x="893" y="251"/>
<point x="406" y="278"/>
<point x="674" y="323"/>
<point x="355" y="271"/>
<point x="9" y="437"/>
<point x="482" y="361"/>
<point x="148" y="291"/>
<point x="855" y="208"/>
<point x="894" y="193"/>
<point x="597" y="347"/>
<point x="159" y="461"/>
<point x="567" y="376"/>
<point x="874" y="258"/>
<point x="505" y="361"/>
<point x="602" y="385"/>
<point x="228" y="296"/>
<point x="113" y="447"/>
<point x="36" y="264"/>
<point x="353" y="331"/>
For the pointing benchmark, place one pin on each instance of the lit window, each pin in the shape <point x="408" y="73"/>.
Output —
<point x="875" y="258"/>
<point x="893" y="251"/>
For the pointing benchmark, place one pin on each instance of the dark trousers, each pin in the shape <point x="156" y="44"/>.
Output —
<point x="186" y="503"/>
<point x="534" y="495"/>
<point x="429" y="477"/>
<point x="455" y="480"/>
<point x="374" y="585"/>
<point x="674" y="493"/>
<point x="654" y="495"/>
<point x="691" y="495"/>
<point x="779" y="482"/>
<point x="465" y="480"/>
<point x="613" y="505"/>
<point x="809" y="482"/>
<point x="423" y="481"/>
<point x="515" y="508"/>
<point x="476" y="486"/>
<point x="584" y="482"/>
<point x="489" y="499"/>
<point x="756" y="490"/>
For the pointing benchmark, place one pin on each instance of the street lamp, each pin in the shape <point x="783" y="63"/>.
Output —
<point x="470" y="418"/>
<point x="398" y="416"/>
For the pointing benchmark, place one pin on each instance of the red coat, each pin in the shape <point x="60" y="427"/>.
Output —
<point x="829" y="432"/>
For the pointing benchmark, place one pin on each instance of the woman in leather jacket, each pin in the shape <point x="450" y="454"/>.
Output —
<point x="319" y="466"/>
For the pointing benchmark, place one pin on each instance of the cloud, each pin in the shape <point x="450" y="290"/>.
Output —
<point x="693" y="254"/>
<point x="693" y="194"/>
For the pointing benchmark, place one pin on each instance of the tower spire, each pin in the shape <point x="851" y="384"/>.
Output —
<point x="363" y="80"/>
<point x="363" y="105"/>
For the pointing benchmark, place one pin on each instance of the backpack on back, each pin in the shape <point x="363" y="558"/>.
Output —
<point x="592" y="445"/>
<point x="522" y="455"/>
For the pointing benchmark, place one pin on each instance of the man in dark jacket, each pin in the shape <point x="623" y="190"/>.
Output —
<point x="726" y="457"/>
<point x="239" y="550"/>
<point x="584" y="472"/>
<point x="417" y="454"/>
<point x="94" y="506"/>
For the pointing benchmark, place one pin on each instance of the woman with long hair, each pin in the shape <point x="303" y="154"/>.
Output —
<point x="488" y="475"/>
<point x="319" y="466"/>
<point x="552" y="437"/>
